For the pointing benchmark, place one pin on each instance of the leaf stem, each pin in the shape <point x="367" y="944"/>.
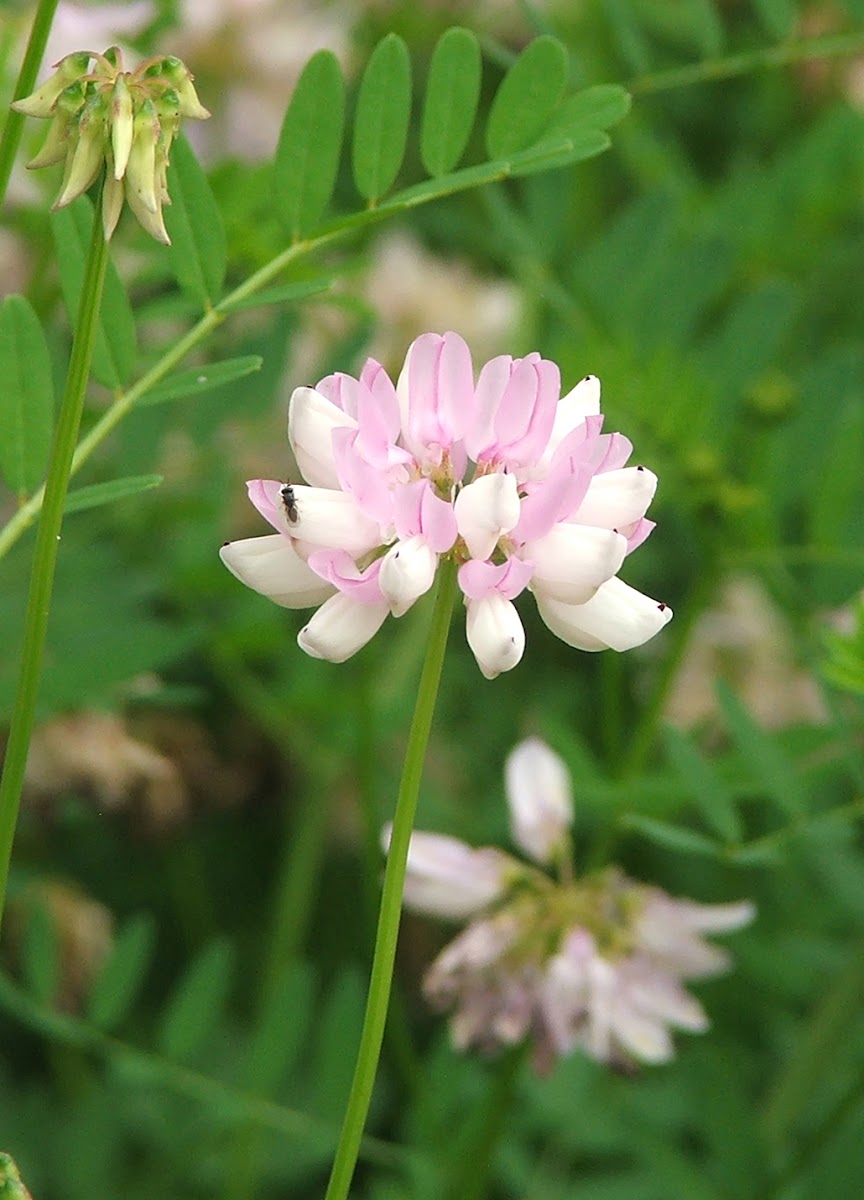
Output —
<point x="47" y="541"/>
<point x="11" y="138"/>
<point x="829" y="45"/>
<point x="391" y="898"/>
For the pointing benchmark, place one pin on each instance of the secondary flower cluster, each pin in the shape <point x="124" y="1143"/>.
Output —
<point x="513" y="481"/>
<point x="103" y="115"/>
<point x="594" y="964"/>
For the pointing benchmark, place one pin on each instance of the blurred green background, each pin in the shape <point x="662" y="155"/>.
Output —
<point x="204" y="800"/>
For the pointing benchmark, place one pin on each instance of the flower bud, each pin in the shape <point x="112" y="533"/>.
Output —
<point x="540" y="800"/>
<point x="41" y="102"/>
<point x="180" y="78"/>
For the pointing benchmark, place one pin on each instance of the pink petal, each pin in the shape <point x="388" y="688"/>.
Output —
<point x="339" y="569"/>
<point x="439" y="383"/>
<point x="366" y="484"/>
<point x="479" y="579"/>
<point x="418" y="510"/>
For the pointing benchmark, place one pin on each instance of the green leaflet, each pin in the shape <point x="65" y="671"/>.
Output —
<point x="770" y="767"/>
<point x="96" y="494"/>
<point x="307" y="157"/>
<point x="381" y="118"/>
<point x="713" y="799"/>
<point x="115" y="350"/>
<point x="198" y="1002"/>
<point x="281" y="1031"/>
<point x="672" y="837"/>
<point x="527" y="97"/>
<point x="196" y="380"/>
<point x="593" y="108"/>
<point x="40" y="951"/>
<point x="26" y="397"/>
<point x="194" y="225"/>
<point x="122" y="975"/>
<point x="452" y="96"/>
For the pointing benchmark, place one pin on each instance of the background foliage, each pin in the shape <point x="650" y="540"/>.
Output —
<point x="196" y="873"/>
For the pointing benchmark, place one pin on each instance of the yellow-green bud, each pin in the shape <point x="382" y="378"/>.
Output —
<point x="142" y="185"/>
<point x="82" y="165"/>
<point x="121" y="125"/>
<point x="41" y="102"/>
<point x="180" y="78"/>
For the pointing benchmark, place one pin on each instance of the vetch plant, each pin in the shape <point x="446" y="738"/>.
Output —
<point x="594" y="963"/>
<point x="512" y="482"/>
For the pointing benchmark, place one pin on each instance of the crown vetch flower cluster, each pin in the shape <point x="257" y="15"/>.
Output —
<point x="102" y="114"/>
<point x="596" y="964"/>
<point x="515" y="482"/>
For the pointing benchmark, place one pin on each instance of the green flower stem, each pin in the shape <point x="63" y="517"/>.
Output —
<point x="484" y="1127"/>
<point x="45" y="554"/>
<point x="391" y="898"/>
<point x="829" y="45"/>
<point x="11" y="139"/>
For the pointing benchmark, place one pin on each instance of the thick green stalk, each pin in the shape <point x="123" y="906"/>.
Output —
<point x="47" y="541"/>
<point x="11" y="139"/>
<point x="391" y="898"/>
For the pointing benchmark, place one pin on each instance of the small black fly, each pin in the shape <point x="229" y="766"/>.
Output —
<point x="290" y="502"/>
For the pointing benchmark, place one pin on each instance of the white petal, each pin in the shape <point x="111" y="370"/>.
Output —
<point x="311" y="421"/>
<point x="485" y="509"/>
<point x="572" y="561"/>
<point x="341" y="627"/>
<point x="495" y="634"/>
<point x="617" y="617"/>
<point x="270" y="565"/>
<point x="539" y="798"/>
<point x="407" y="572"/>
<point x="447" y="878"/>
<point x="617" y="498"/>
<point x="644" y="1036"/>
<point x="327" y="518"/>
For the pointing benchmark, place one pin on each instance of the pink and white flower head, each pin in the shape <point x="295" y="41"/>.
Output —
<point x="595" y="964"/>
<point x="512" y="481"/>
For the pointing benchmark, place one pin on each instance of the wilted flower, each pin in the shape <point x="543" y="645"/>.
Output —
<point x="124" y="121"/>
<point x="595" y="964"/>
<point x="519" y="487"/>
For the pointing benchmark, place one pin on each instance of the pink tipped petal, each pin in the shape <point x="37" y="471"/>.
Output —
<point x="572" y="561"/>
<point x="312" y="417"/>
<point x="637" y="533"/>
<point x="407" y="573"/>
<point x="270" y="565"/>
<point x="266" y="496"/>
<point x="486" y="509"/>
<point x="539" y="798"/>
<point x="612" y="452"/>
<point x="495" y="634"/>
<point x="340" y="628"/>
<point x="617" y="617"/>
<point x="343" y="391"/>
<point x="447" y="878"/>
<point x="617" y="498"/>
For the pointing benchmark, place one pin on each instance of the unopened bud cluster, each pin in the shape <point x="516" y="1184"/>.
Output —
<point x="102" y="114"/>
